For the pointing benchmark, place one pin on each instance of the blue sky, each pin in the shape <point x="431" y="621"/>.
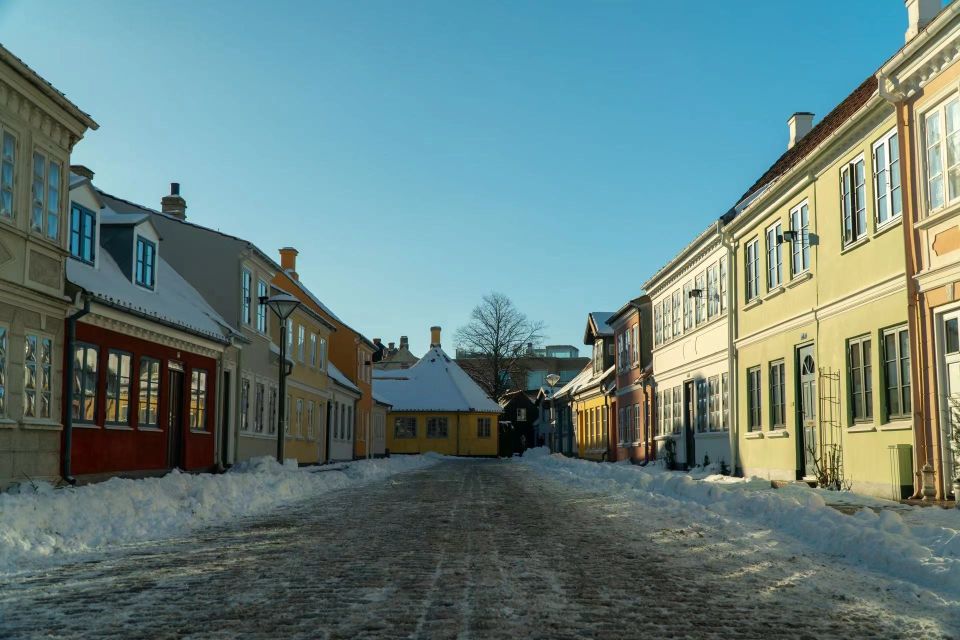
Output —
<point x="421" y="154"/>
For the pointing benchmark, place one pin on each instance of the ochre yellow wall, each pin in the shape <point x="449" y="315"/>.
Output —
<point x="469" y="443"/>
<point x="592" y="440"/>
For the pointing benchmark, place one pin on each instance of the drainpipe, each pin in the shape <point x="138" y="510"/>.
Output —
<point x="67" y="471"/>
<point x="732" y="374"/>
<point x="326" y="435"/>
<point x="606" y="434"/>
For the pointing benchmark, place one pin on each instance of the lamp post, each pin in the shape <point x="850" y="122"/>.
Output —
<point x="282" y="305"/>
<point x="552" y="380"/>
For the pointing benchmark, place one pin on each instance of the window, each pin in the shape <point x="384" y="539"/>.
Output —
<point x="636" y="423"/>
<point x="198" y="399"/>
<point x="667" y="318"/>
<point x="943" y="141"/>
<point x="310" y="431"/>
<point x="896" y="360"/>
<point x="323" y="353"/>
<point x="245" y="405"/>
<point x="774" y="257"/>
<point x="853" y="201"/>
<point x="800" y="247"/>
<point x="436" y="427"/>
<point x="119" y="365"/>
<point x="313" y="349"/>
<point x="146" y="262"/>
<point x="701" y="416"/>
<point x="45" y="214"/>
<point x="85" y="358"/>
<point x="752" y="273"/>
<point x="299" y="433"/>
<point x="687" y="305"/>
<point x="83" y="223"/>
<point x="262" y="292"/>
<point x="725" y="400"/>
<point x="521" y="415"/>
<point x="3" y="371"/>
<point x="700" y="303"/>
<point x="405" y="427"/>
<point x="723" y="284"/>
<point x="659" y="399"/>
<point x="272" y="410"/>
<point x="677" y="409"/>
<point x="635" y="344"/>
<point x="149" y="394"/>
<point x="676" y="313"/>
<point x="301" y="342"/>
<point x="246" y="284"/>
<point x="778" y="403"/>
<point x="8" y="167"/>
<point x="753" y="399"/>
<point x="290" y="338"/>
<point x="713" y="296"/>
<point x="259" y="406"/>
<point x="483" y="427"/>
<point x="657" y="324"/>
<point x="886" y="178"/>
<point x="622" y="425"/>
<point x="713" y="395"/>
<point x="861" y="386"/>
<point x="38" y="358"/>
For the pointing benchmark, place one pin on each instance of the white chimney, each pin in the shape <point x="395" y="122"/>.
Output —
<point x="800" y="124"/>
<point x="920" y="13"/>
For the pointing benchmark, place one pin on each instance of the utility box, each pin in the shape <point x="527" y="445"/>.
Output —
<point x="901" y="467"/>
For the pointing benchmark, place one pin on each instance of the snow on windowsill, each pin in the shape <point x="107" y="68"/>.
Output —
<point x="862" y="428"/>
<point x="897" y="425"/>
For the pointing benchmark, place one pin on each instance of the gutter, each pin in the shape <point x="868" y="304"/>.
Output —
<point x="67" y="471"/>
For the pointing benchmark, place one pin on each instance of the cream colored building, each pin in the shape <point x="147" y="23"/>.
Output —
<point x="38" y="130"/>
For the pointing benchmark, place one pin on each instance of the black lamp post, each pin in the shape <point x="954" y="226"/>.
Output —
<point x="282" y="305"/>
<point x="552" y="380"/>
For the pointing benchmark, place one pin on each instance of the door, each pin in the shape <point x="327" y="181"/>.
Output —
<point x="807" y="410"/>
<point x="689" y="413"/>
<point x="949" y="353"/>
<point x="174" y="418"/>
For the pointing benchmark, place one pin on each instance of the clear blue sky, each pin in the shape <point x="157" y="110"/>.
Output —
<point x="420" y="154"/>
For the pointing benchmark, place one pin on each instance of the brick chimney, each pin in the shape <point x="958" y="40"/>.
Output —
<point x="920" y="13"/>
<point x="82" y="170"/>
<point x="434" y="337"/>
<point x="404" y="342"/>
<point x="288" y="261"/>
<point x="174" y="204"/>
<point x="800" y="125"/>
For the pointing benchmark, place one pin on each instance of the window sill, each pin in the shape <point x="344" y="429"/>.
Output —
<point x="800" y="278"/>
<point x="150" y="429"/>
<point x="6" y="423"/>
<point x="897" y="425"/>
<point x="259" y="436"/>
<point x="753" y="435"/>
<point x="931" y="219"/>
<point x="886" y="226"/>
<point x="862" y="428"/>
<point x="663" y="438"/>
<point x="855" y="245"/>
<point x="43" y="425"/>
<point x="779" y="432"/>
<point x="200" y="432"/>
<point x="711" y="435"/>
<point x="773" y="293"/>
<point x="756" y="302"/>
<point x="118" y="427"/>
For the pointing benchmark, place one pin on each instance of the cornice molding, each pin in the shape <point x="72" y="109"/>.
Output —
<point x="108" y="318"/>
<point x="36" y="116"/>
<point x="924" y="58"/>
<point x="691" y="263"/>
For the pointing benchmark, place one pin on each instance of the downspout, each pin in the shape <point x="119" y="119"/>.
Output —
<point x="326" y="432"/>
<point x="67" y="471"/>
<point x="732" y="374"/>
<point x="606" y="434"/>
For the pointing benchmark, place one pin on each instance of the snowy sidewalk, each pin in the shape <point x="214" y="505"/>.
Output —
<point x="916" y="545"/>
<point x="54" y="525"/>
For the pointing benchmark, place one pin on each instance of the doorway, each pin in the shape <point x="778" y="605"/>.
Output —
<point x="689" y="414"/>
<point x="948" y="347"/>
<point x="807" y="412"/>
<point x="174" y="417"/>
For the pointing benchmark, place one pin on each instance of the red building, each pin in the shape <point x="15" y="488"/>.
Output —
<point x="631" y="434"/>
<point x="143" y="350"/>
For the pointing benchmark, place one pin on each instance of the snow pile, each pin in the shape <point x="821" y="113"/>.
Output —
<point x="53" y="524"/>
<point x="919" y="545"/>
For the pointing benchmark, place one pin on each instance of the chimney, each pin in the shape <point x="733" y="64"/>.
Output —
<point x="390" y="346"/>
<point x="920" y="13"/>
<point x="800" y="125"/>
<point x="434" y="337"/>
<point x="288" y="261"/>
<point x="82" y="170"/>
<point x="376" y="341"/>
<point x="173" y="203"/>
<point x="404" y="342"/>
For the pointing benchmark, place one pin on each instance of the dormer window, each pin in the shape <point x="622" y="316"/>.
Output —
<point x="146" y="262"/>
<point x="83" y="223"/>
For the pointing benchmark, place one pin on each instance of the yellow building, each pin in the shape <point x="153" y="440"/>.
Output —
<point x="594" y="395"/>
<point x="436" y="406"/>
<point x="308" y="386"/>
<point x="820" y="291"/>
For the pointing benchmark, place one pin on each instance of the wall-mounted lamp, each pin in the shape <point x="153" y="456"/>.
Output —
<point x="695" y="293"/>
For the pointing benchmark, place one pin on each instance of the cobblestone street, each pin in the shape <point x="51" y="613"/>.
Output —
<point x="471" y="549"/>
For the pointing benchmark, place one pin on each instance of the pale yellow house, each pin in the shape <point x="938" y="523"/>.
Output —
<point x="822" y="372"/>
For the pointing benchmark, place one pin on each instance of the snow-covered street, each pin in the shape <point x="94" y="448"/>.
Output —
<point x="471" y="548"/>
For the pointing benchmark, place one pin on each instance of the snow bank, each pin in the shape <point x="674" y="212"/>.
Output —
<point x="54" y="524"/>
<point x="920" y="545"/>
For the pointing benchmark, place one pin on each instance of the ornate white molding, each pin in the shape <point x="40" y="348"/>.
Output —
<point x="112" y="320"/>
<point x="36" y="116"/>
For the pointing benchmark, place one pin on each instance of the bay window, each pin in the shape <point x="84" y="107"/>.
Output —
<point x="37" y="373"/>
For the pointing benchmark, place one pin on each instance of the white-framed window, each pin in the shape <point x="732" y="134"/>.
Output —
<point x="262" y="292"/>
<point x="198" y="400"/>
<point x="45" y="196"/>
<point x="145" y="274"/>
<point x="800" y="247"/>
<point x="148" y="396"/>
<point x="290" y="338"/>
<point x="700" y="303"/>
<point x="273" y="402"/>
<point x="636" y="423"/>
<point x="713" y="292"/>
<point x="245" y="404"/>
<point x="323" y="353"/>
<point x="896" y="373"/>
<point x="38" y="378"/>
<point x="677" y="319"/>
<point x="437" y="427"/>
<point x="622" y="425"/>
<point x="713" y="403"/>
<point x="752" y="269"/>
<point x="687" y="305"/>
<point x="301" y="342"/>
<point x="754" y="415"/>
<point x="313" y="349"/>
<point x="853" y="201"/>
<point x="246" y="290"/>
<point x="483" y="427"/>
<point x="635" y="344"/>
<point x="406" y="427"/>
<point x="725" y="400"/>
<point x="119" y="372"/>
<point x="668" y="317"/>
<point x="774" y="256"/>
<point x="723" y="283"/>
<point x="859" y="364"/>
<point x="778" y="400"/>
<point x="8" y="172"/>
<point x="86" y="359"/>
<point x="259" y="407"/>
<point x="942" y="143"/>
<point x="83" y="237"/>
<point x="4" y="332"/>
<point x="886" y="178"/>
<point x="677" y="409"/>
<point x="657" y="324"/>
<point x="702" y="404"/>
<point x="310" y="430"/>
<point x="299" y="414"/>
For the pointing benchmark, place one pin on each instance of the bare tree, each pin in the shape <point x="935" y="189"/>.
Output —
<point x="494" y="340"/>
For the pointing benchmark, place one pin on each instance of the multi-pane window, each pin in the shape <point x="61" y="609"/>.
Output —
<point x="37" y="374"/>
<point x="301" y="342"/>
<point x="246" y="286"/>
<point x="774" y="256"/>
<point x="700" y="306"/>
<point x="676" y="313"/>
<point x="658" y="399"/>
<point x="778" y="401"/>
<point x="119" y="369"/>
<point x="896" y="360"/>
<point x="886" y="178"/>
<point x="636" y="423"/>
<point x="323" y="353"/>
<point x="3" y="371"/>
<point x="406" y="427"/>
<point x="198" y="399"/>
<point x="713" y="293"/>
<point x="85" y="357"/>
<point x="149" y="394"/>
<point x="861" y="384"/>
<point x="310" y="430"/>
<point x="272" y="410"/>
<point x="286" y="415"/>
<point x="657" y="324"/>
<point x="299" y="414"/>
<point x="687" y="305"/>
<point x="483" y="427"/>
<point x="289" y="337"/>
<point x="261" y="306"/>
<point x="8" y="164"/>
<point x="752" y="269"/>
<point x="667" y="317"/>
<point x="313" y="349"/>
<point x="259" y="406"/>
<point x="146" y="262"/>
<point x="713" y="391"/>
<point x="677" y="409"/>
<point x="83" y="224"/>
<point x="702" y="403"/>
<point x="942" y="139"/>
<point x="800" y="247"/>
<point x="245" y="404"/>
<point x="853" y="201"/>
<point x="45" y="196"/>
<point x="725" y="400"/>
<point x="723" y="284"/>
<point x="622" y="425"/>
<point x="754" y="421"/>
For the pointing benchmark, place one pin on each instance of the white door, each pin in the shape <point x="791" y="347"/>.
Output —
<point x="949" y="348"/>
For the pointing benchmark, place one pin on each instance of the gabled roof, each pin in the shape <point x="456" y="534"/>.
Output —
<point x="622" y="311"/>
<point x="434" y="383"/>
<point x="597" y="326"/>
<point x="337" y="376"/>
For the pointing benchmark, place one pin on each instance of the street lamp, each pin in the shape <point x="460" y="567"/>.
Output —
<point x="282" y="305"/>
<point x="552" y="380"/>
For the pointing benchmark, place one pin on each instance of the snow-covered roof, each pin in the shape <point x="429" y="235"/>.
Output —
<point x="584" y="380"/>
<point x="597" y="325"/>
<point x="173" y="302"/>
<point x="434" y="383"/>
<point x="341" y="379"/>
